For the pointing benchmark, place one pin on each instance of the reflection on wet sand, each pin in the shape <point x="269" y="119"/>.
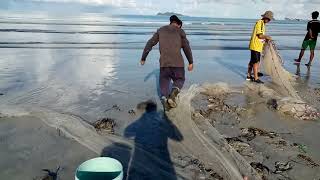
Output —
<point x="307" y="76"/>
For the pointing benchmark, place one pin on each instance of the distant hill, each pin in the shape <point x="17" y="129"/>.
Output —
<point x="293" y="19"/>
<point x="169" y="14"/>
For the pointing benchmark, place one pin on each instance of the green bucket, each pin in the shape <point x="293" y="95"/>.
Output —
<point x="102" y="168"/>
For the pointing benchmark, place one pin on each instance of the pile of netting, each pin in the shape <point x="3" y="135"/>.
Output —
<point x="203" y="141"/>
<point x="272" y="64"/>
<point x="282" y="92"/>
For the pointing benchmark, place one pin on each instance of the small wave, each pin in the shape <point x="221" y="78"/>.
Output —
<point x="223" y="39"/>
<point x="193" y="32"/>
<point x="67" y="43"/>
<point x="115" y="23"/>
<point x="72" y="32"/>
<point x="134" y="47"/>
<point x="212" y="23"/>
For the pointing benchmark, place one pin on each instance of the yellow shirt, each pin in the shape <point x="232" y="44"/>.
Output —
<point x="256" y="44"/>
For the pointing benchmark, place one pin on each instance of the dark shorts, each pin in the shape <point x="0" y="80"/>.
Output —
<point x="309" y="43"/>
<point x="255" y="57"/>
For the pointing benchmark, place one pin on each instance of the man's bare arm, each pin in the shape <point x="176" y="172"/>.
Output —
<point x="261" y="36"/>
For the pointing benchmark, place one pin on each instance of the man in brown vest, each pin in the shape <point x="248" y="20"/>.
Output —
<point x="171" y="40"/>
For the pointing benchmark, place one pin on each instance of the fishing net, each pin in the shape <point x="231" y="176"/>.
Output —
<point x="287" y="98"/>
<point x="272" y="64"/>
<point x="203" y="141"/>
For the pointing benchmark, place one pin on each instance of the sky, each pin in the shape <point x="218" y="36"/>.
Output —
<point x="205" y="8"/>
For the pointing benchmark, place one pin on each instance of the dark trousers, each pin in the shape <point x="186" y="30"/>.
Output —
<point x="168" y="74"/>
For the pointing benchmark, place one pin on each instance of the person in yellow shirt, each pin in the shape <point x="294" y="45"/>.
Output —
<point x="257" y="41"/>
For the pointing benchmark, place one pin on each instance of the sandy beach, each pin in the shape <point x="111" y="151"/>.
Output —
<point x="276" y="138"/>
<point x="28" y="146"/>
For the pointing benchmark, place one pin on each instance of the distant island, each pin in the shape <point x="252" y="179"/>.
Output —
<point x="169" y="14"/>
<point x="293" y="19"/>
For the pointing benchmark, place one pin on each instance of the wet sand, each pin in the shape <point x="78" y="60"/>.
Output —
<point x="28" y="145"/>
<point x="279" y="138"/>
<point x="32" y="140"/>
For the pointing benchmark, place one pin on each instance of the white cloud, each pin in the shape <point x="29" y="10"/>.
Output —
<point x="116" y="3"/>
<point x="251" y="8"/>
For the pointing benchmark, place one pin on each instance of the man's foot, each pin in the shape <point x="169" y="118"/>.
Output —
<point x="258" y="81"/>
<point x="297" y="61"/>
<point x="172" y="98"/>
<point x="249" y="78"/>
<point x="165" y="104"/>
<point x="260" y="74"/>
<point x="172" y="103"/>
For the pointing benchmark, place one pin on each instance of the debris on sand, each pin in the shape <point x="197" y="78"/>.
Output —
<point x="309" y="161"/>
<point x="114" y="107"/>
<point x="281" y="167"/>
<point x="218" y="104"/>
<point x="105" y="126"/>
<point x="193" y="163"/>
<point x="251" y="133"/>
<point x="317" y="91"/>
<point x="279" y="143"/>
<point x="50" y="175"/>
<point x="203" y="168"/>
<point x="233" y="139"/>
<point x="1" y="94"/>
<point x="272" y="104"/>
<point x="262" y="169"/>
<point x="132" y="112"/>
<point x="245" y="150"/>
<point x="302" y="148"/>
<point x="218" y="108"/>
<point x="242" y="148"/>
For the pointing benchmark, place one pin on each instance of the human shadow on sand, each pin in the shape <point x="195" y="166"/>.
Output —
<point x="150" y="157"/>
